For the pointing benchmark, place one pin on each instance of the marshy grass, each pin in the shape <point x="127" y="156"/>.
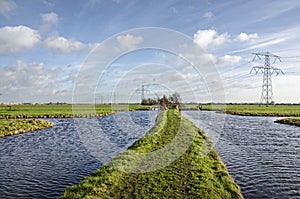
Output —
<point x="192" y="175"/>
<point x="290" y="121"/>
<point x="14" y="127"/>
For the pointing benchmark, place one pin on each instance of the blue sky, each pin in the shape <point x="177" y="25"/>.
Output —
<point x="44" y="45"/>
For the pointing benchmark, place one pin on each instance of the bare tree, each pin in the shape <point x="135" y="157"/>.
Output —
<point x="164" y="102"/>
<point x="175" y="98"/>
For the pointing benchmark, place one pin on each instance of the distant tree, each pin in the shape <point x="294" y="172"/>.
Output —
<point x="164" y="102"/>
<point x="175" y="98"/>
<point x="173" y="101"/>
<point x="149" y="101"/>
<point x="145" y="101"/>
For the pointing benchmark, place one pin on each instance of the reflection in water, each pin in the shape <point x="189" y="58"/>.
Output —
<point x="42" y="164"/>
<point x="262" y="156"/>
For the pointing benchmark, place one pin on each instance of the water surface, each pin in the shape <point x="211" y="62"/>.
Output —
<point x="42" y="164"/>
<point x="262" y="156"/>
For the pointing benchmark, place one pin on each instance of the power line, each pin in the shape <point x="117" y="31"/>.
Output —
<point x="268" y="71"/>
<point x="291" y="57"/>
<point x="286" y="50"/>
<point x="236" y="78"/>
<point x="239" y="66"/>
<point x="295" y="73"/>
<point x="293" y="61"/>
<point x="236" y="67"/>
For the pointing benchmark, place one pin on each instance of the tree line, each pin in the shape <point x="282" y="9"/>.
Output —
<point x="172" y="101"/>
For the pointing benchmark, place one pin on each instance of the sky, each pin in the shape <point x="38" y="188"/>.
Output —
<point x="101" y="51"/>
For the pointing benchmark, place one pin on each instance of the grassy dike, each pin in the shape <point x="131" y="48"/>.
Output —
<point x="290" y="121"/>
<point x="14" y="127"/>
<point x="192" y="175"/>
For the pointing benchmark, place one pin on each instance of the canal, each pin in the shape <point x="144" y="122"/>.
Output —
<point x="262" y="156"/>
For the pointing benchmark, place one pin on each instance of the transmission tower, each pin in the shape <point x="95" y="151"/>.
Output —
<point x="267" y="70"/>
<point x="142" y="91"/>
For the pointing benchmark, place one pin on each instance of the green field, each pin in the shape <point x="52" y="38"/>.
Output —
<point x="14" y="127"/>
<point x="192" y="175"/>
<point x="256" y="110"/>
<point x="59" y="111"/>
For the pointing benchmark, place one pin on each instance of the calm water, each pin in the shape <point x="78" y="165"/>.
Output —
<point x="262" y="156"/>
<point x="42" y="164"/>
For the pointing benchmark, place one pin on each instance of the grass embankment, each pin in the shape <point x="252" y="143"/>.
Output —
<point x="59" y="111"/>
<point x="192" y="175"/>
<point x="14" y="127"/>
<point x="256" y="110"/>
<point x="290" y="121"/>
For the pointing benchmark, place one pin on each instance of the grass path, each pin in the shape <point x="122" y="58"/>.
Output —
<point x="192" y="175"/>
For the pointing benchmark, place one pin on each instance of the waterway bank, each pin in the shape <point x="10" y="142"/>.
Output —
<point x="261" y="155"/>
<point x="255" y="110"/>
<point x="43" y="164"/>
<point x="191" y="175"/>
<point x="290" y="121"/>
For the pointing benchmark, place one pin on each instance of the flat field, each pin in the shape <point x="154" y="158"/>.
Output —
<point x="256" y="110"/>
<point x="59" y="110"/>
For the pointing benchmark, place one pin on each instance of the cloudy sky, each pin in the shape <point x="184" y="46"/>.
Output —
<point x="50" y="50"/>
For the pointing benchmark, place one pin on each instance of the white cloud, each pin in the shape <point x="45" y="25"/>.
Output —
<point x="50" y="18"/>
<point x="25" y="75"/>
<point x="228" y="60"/>
<point x="209" y="38"/>
<point x="33" y="82"/>
<point x="202" y="60"/>
<point x="117" y="1"/>
<point x="14" y="39"/>
<point x="6" y="6"/>
<point x="129" y="41"/>
<point x="267" y="43"/>
<point x="208" y="15"/>
<point x="262" y="44"/>
<point x="206" y="61"/>
<point x="247" y="37"/>
<point x="174" y="10"/>
<point x="92" y="46"/>
<point x="23" y="79"/>
<point x="63" y="45"/>
<point x="48" y="3"/>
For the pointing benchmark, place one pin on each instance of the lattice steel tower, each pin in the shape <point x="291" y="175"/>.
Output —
<point x="268" y="71"/>
<point x="142" y="91"/>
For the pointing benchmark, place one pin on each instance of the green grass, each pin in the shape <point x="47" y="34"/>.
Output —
<point x="14" y="127"/>
<point x="58" y="111"/>
<point x="256" y="110"/>
<point x="290" y="121"/>
<point x="192" y="175"/>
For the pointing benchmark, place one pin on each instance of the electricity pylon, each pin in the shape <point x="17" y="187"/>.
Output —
<point x="268" y="71"/>
<point x="142" y="91"/>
